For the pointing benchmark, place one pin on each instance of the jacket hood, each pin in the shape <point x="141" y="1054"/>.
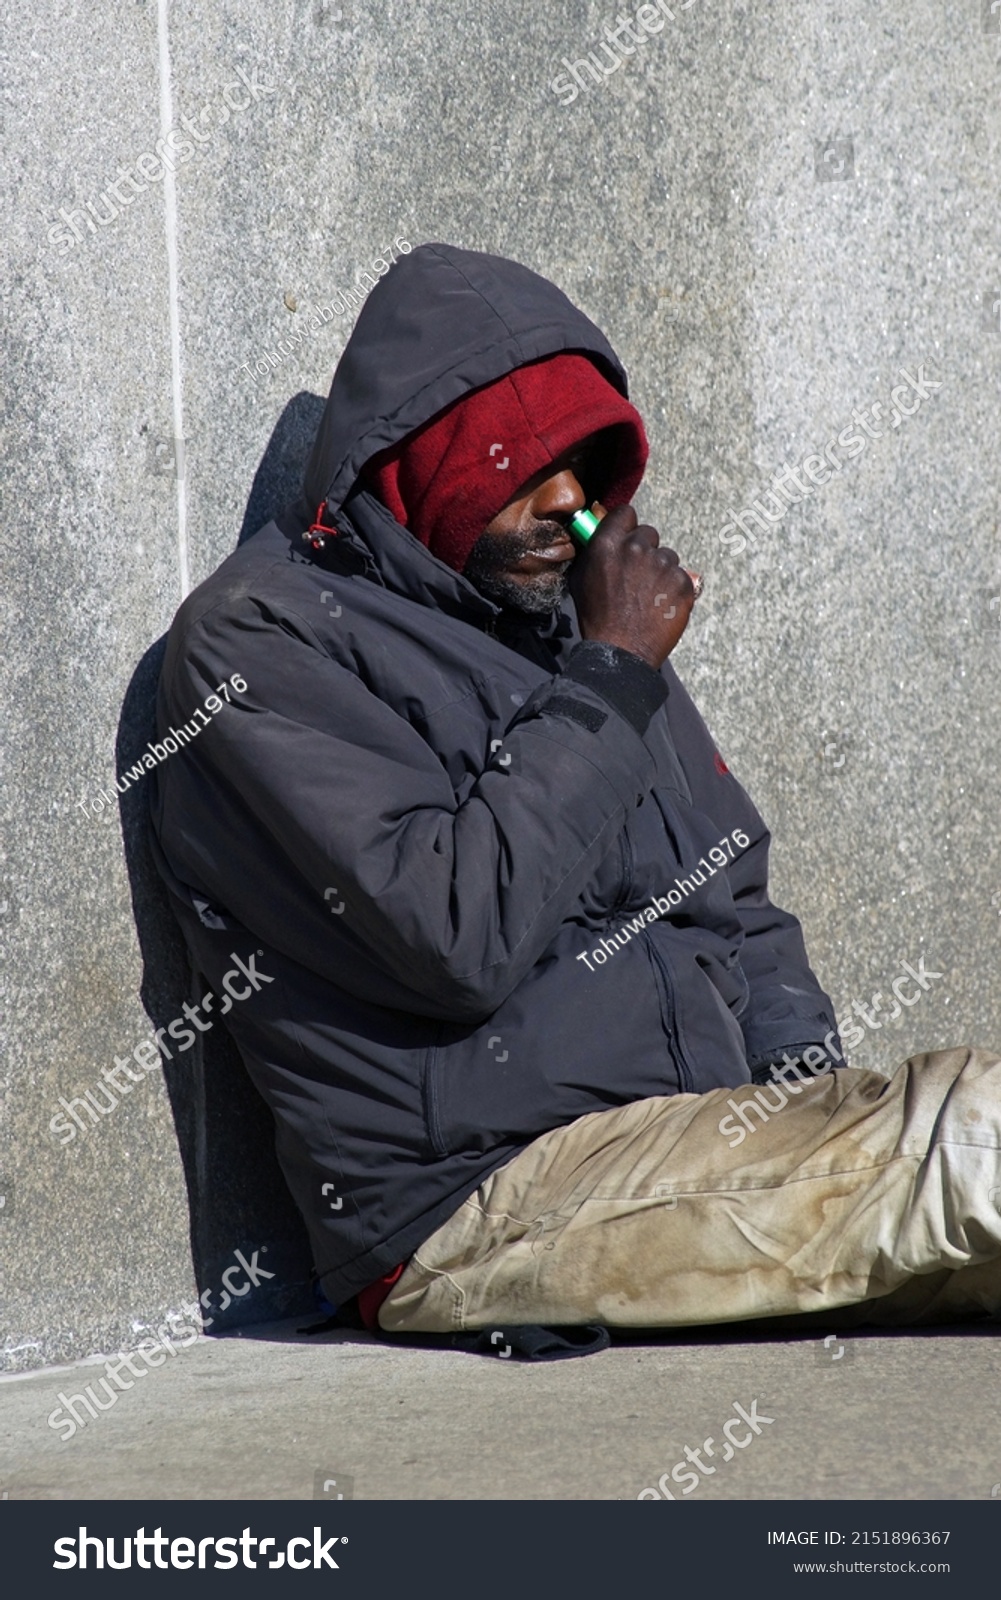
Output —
<point x="440" y="324"/>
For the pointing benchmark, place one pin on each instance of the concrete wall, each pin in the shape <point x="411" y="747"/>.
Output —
<point x="773" y="208"/>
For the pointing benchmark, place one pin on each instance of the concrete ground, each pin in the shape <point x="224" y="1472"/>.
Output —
<point x="273" y="1415"/>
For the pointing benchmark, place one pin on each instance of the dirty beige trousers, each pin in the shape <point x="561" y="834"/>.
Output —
<point x="862" y="1192"/>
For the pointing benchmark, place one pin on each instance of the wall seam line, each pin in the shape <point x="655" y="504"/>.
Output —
<point x="173" y="298"/>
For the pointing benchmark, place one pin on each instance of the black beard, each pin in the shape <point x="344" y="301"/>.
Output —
<point x="494" y="553"/>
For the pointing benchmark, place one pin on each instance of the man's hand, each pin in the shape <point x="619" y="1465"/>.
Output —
<point x="630" y="590"/>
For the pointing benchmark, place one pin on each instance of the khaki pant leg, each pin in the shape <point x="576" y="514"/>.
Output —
<point x="649" y="1215"/>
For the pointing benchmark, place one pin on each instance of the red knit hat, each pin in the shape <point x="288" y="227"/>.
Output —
<point x="446" y="481"/>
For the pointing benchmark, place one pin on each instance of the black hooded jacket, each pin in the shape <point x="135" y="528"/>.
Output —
<point x="422" y="813"/>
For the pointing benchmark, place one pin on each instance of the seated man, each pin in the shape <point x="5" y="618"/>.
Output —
<point x="513" y="967"/>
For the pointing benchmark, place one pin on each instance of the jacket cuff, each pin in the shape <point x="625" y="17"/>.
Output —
<point x="629" y="685"/>
<point x="776" y="1064"/>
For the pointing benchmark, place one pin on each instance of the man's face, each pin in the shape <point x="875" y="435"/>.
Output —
<point x="523" y="556"/>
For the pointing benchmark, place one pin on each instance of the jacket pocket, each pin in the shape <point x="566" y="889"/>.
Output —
<point x="665" y="988"/>
<point x="431" y="1092"/>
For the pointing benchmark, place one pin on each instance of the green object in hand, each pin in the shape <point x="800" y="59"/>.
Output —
<point x="584" y="525"/>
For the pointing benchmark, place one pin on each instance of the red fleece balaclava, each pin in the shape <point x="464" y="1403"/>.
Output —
<point x="449" y="478"/>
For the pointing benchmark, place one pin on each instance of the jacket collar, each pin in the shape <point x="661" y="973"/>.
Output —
<point x="387" y="554"/>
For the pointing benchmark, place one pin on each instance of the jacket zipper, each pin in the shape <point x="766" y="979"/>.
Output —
<point x="685" y="1076"/>
<point x="626" y="858"/>
<point x="429" y="1086"/>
